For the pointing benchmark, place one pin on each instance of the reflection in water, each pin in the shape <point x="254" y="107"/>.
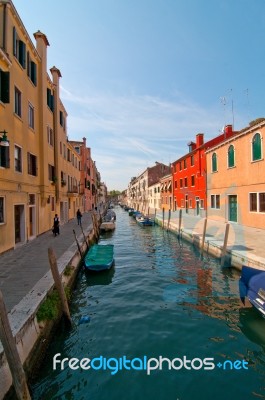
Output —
<point x="163" y="299"/>
<point x="100" y="278"/>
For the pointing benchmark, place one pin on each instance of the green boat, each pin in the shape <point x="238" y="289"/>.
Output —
<point x="99" y="257"/>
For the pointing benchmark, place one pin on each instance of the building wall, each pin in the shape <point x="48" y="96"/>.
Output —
<point x="245" y="177"/>
<point x="31" y="191"/>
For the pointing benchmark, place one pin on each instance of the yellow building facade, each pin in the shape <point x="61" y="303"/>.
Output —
<point x="39" y="170"/>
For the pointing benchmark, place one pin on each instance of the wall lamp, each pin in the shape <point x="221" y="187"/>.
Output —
<point x="3" y="140"/>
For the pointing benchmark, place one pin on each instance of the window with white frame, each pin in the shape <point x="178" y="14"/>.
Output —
<point x="18" y="158"/>
<point x="215" y="201"/>
<point x="202" y="203"/>
<point x="257" y="202"/>
<point x="2" y="210"/>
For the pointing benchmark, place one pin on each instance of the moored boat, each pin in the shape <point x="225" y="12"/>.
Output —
<point x="252" y="286"/>
<point x="145" y="221"/>
<point x="99" y="257"/>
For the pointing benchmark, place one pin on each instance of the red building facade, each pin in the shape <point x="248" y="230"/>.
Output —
<point x="189" y="175"/>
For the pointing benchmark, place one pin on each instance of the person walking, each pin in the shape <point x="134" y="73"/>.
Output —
<point x="56" y="225"/>
<point x="79" y="217"/>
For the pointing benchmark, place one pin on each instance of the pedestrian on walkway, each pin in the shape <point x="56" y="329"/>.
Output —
<point x="56" y="225"/>
<point x="79" y="217"/>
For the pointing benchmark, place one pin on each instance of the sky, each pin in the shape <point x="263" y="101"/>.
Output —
<point x="140" y="78"/>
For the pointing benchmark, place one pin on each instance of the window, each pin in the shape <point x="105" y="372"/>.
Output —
<point x="17" y="102"/>
<point x="62" y="120"/>
<point x="31" y="70"/>
<point x="215" y="201"/>
<point x="32" y="199"/>
<point x="31" y="116"/>
<point x="257" y="202"/>
<point x="231" y="156"/>
<point x="190" y="203"/>
<point x="51" y="173"/>
<point x="184" y="164"/>
<point x="4" y="86"/>
<point x="192" y="180"/>
<point x="32" y="164"/>
<point x="202" y="204"/>
<point x="50" y="101"/>
<point x="68" y="155"/>
<point x="2" y="210"/>
<point x="180" y="166"/>
<point x="186" y="182"/>
<point x="214" y="162"/>
<point x="192" y="160"/>
<point x="50" y="136"/>
<point x="18" y="159"/>
<point x="180" y="183"/>
<point x="64" y="151"/>
<point x="4" y="157"/>
<point x="77" y="149"/>
<point x="256" y="147"/>
<point x="176" y="184"/>
<point x="19" y="49"/>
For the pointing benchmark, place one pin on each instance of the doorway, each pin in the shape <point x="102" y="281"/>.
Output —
<point x="19" y="218"/>
<point x="232" y="208"/>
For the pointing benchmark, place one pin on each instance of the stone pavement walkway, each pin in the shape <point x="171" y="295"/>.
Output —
<point x="247" y="243"/>
<point x="22" y="268"/>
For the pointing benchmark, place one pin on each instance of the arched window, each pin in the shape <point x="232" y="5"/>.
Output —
<point x="231" y="156"/>
<point x="256" y="147"/>
<point x="214" y="162"/>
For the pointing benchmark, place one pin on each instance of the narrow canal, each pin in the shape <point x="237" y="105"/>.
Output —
<point x="161" y="300"/>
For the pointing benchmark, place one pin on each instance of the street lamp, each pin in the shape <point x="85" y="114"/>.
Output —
<point x="3" y="140"/>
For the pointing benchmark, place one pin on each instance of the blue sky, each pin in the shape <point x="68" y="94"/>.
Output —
<point x="140" y="78"/>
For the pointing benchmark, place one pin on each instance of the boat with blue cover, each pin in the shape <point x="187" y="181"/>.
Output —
<point x="145" y="221"/>
<point x="99" y="257"/>
<point x="252" y="286"/>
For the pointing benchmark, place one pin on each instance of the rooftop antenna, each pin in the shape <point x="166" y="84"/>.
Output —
<point x="232" y="108"/>
<point x="223" y="102"/>
<point x="248" y="109"/>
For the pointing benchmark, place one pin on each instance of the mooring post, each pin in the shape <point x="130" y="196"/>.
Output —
<point x="163" y="213"/>
<point x="203" y="235"/>
<point x="180" y="219"/>
<point x="12" y="356"/>
<point x="77" y="243"/>
<point x="225" y="244"/>
<point x="85" y="239"/>
<point x="169" y="216"/>
<point x="58" y="284"/>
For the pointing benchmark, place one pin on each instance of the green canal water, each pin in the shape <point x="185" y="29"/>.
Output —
<point x="161" y="300"/>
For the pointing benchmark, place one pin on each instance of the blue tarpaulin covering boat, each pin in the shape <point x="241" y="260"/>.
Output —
<point x="99" y="257"/>
<point x="252" y="286"/>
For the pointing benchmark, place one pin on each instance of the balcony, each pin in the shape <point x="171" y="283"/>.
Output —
<point x="72" y="191"/>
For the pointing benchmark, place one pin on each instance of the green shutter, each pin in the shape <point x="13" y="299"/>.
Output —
<point x="214" y="162"/>
<point x="22" y="54"/>
<point x="256" y="147"/>
<point x="33" y="73"/>
<point x="231" y="156"/>
<point x="5" y="161"/>
<point x="14" y="41"/>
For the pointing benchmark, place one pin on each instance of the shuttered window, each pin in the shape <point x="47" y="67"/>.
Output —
<point x="19" y="49"/>
<point x="231" y="156"/>
<point x="4" y="86"/>
<point x="214" y="162"/>
<point x="256" y="147"/>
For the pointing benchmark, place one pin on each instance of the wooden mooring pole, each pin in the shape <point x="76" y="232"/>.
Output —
<point x="163" y="213"/>
<point x="203" y="235"/>
<point x="180" y="219"/>
<point x="12" y="356"/>
<point x="77" y="243"/>
<point x="58" y="284"/>
<point x="85" y="239"/>
<point x="225" y="244"/>
<point x="169" y="216"/>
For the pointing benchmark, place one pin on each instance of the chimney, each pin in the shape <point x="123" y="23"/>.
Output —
<point x="199" y="140"/>
<point x="228" y="131"/>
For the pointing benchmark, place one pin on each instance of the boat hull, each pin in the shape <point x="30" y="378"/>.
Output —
<point x="99" y="258"/>
<point x="252" y="286"/>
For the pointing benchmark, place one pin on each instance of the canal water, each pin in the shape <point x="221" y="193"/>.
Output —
<point x="163" y="324"/>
